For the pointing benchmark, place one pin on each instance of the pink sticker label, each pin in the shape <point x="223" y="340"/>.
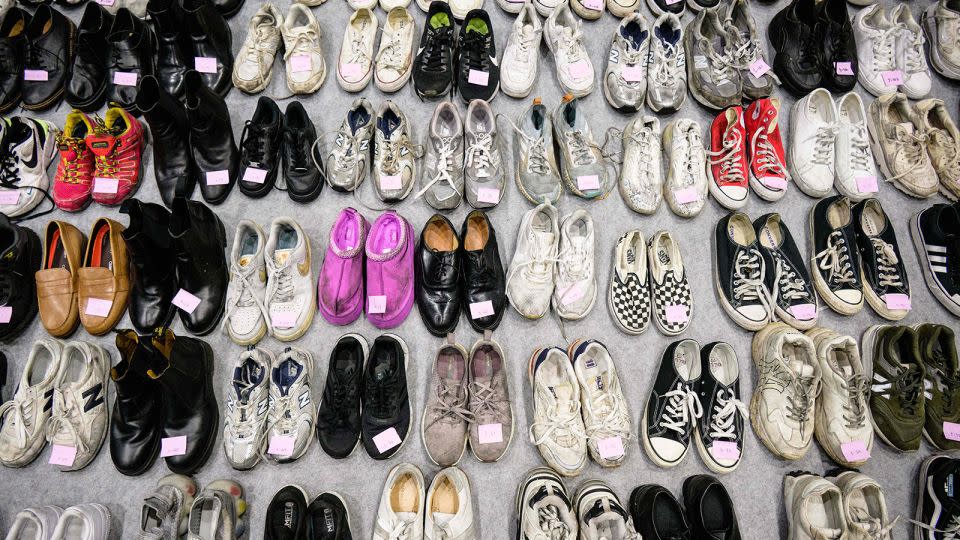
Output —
<point x="390" y="181"/>
<point x="106" y="185"/>
<point x="803" y="312"/>
<point x="386" y="439"/>
<point x="35" y="75"/>
<point x="217" y="178"/>
<point x="490" y="433"/>
<point x="759" y="67"/>
<point x="595" y="5"/>
<point x="173" y="446"/>
<point x="897" y="301"/>
<point x="725" y="450"/>
<point x="300" y="63"/>
<point x="6" y="312"/>
<point x="774" y="182"/>
<point x="283" y="319"/>
<point x="572" y="294"/>
<point x="855" y="451"/>
<point x="186" y="301"/>
<point x="633" y="73"/>
<point x="63" y="456"/>
<point x="9" y="197"/>
<point x="677" y="313"/>
<point x="686" y="195"/>
<point x="478" y="77"/>
<point x="672" y="2"/>
<point x="488" y="195"/>
<point x="580" y="69"/>
<point x="98" y="307"/>
<point x="281" y="445"/>
<point x="205" y="64"/>
<point x="124" y="78"/>
<point x="589" y="182"/>
<point x="352" y="71"/>
<point x="892" y="78"/>
<point x="376" y="304"/>
<point x="610" y="448"/>
<point x="107" y="3"/>
<point x="867" y="184"/>
<point x="478" y="310"/>
<point x="255" y="175"/>
<point x="951" y="431"/>
<point x="844" y="68"/>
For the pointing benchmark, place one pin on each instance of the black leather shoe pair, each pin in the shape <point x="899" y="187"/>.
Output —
<point x="271" y="137"/>
<point x="709" y="513"/>
<point x="459" y="272"/>
<point x="20" y="257"/>
<point x="164" y="397"/>
<point x="48" y="54"/>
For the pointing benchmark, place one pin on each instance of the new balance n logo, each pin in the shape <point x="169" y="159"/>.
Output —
<point x="304" y="399"/>
<point x="92" y="396"/>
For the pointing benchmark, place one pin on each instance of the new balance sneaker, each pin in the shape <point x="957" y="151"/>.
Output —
<point x="449" y="507"/>
<point x="246" y="316"/>
<point x="401" y="511"/>
<point x="286" y="515"/>
<point x="600" y="513"/>
<point x="604" y="408"/>
<point x="898" y="146"/>
<point x="582" y="165"/>
<point x="291" y="414"/>
<point x="535" y="161"/>
<point x="814" y="507"/>
<point x="641" y="174"/>
<point x="385" y="419"/>
<point x="519" y="66"/>
<point x="25" y="417"/>
<point x="543" y="507"/>
<point x="394" y="153"/>
<point x="941" y="24"/>
<point x="35" y="522"/>
<point x="389" y="271"/>
<point x="937" y="242"/>
<point x="117" y="144"/>
<point x="884" y="274"/>
<point x="444" y="422"/>
<point x="394" y="62"/>
<point x="79" y="420"/>
<point x="856" y="168"/>
<point x="667" y="65"/>
<point x="672" y="300"/>
<point x="483" y="171"/>
<point x="938" y="348"/>
<point x="712" y="75"/>
<point x="73" y="183"/>
<point x="629" y="292"/>
<point x="767" y="161"/>
<point x="788" y="381"/>
<point x="625" y="79"/>
<point x="686" y="184"/>
<point x="557" y="429"/>
<point x="565" y="40"/>
<point x="911" y="59"/>
<point x="719" y="433"/>
<point x="28" y="146"/>
<point x="938" y="503"/>
<point x="894" y="366"/>
<point x="289" y="298"/>
<point x="943" y="144"/>
<point x="727" y="167"/>
<point x="738" y="272"/>
<point x="303" y="50"/>
<point x="355" y="62"/>
<point x="442" y="178"/>
<point x="218" y="512"/>
<point x="756" y="75"/>
<point x="338" y="416"/>
<point x="877" y="62"/>
<point x="433" y="70"/>
<point x="247" y="403"/>
<point x="834" y="255"/>
<point x="253" y="68"/>
<point x="812" y="152"/>
<point x="478" y="70"/>
<point x="164" y="512"/>
<point x="531" y="274"/>
<point x="575" y="273"/>
<point x="340" y="291"/>
<point x="864" y="506"/>
<point x="491" y="430"/>
<point x="673" y="407"/>
<point x="347" y="161"/>
<point x="787" y="278"/>
<point x="88" y="521"/>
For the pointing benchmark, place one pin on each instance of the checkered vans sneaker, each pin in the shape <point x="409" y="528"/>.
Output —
<point x="672" y="301"/>
<point x="629" y="294"/>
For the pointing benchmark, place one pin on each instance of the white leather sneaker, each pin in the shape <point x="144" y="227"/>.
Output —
<point x="519" y="66"/>
<point x="575" y="274"/>
<point x="686" y="185"/>
<point x="290" y="291"/>
<point x="401" y="511"/>
<point x="23" y="420"/>
<point x="247" y="402"/>
<point x="449" y="507"/>
<point x="395" y="57"/>
<point x="565" y="41"/>
<point x="864" y="507"/>
<point x="32" y="145"/>
<point x="604" y="408"/>
<point x="303" y="52"/>
<point x="900" y="147"/>
<point x="88" y="521"/>
<point x="812" y="150"/>
<point x="530" y="277"/>
<point x="814" y="507"/>
<point x="941" y="26"/>
<point x="355" y="63"/>
<point x="37" y="522"/>
<point x="856" y="170"/>
<point x="912" y="61"/>
<point x="292" y="414"/>
<point x="641" y="174"/>
<point x="557" y="429"/>
<point x="79" y="420"/>
<point x="245" y="317"/>
<point x="253" y="67"/>
<point x="461" y="8"/>
<point x="546" y="7"/>
<point x="878" y="68"/>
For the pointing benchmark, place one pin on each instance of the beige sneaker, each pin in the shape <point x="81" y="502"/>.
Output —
<point x="395" y="57"/>
<point x="304" y="55"/>
<point x="900" y="145"/>
<point x="253" y="68"/>
<point x="943" y="144"/>
<point x="355" y="63"/>
<point x="814" y="508"/>
<point x="864" y="507"/>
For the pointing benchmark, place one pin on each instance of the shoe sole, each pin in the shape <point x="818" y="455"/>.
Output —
<point x="920" y="247"/>
<point x="828" y="297"/>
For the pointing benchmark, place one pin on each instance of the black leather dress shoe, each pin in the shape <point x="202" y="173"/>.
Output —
<point x="137" y="420"/>
<point x="710" y="511"/>
<point x="793" y="34"/>
<point x="438" y="279"/>
<point x="51" y="43"/>
<point x="173" y="45"/>
<point x="152" y="259"/>
<point x="657" y="514"/>
<point x="304" y="182"/>
<point x="20" y="257"/>
<point x="13" y="44"/>
<point x="484" y="284"/>
<point x="838" y="45"/>
<point x="132" y="46"/>
<point x="170" y="133"/>
<point x="212" y="146"/>
<point x="228" y="8"/>
<point x="260" y="149"/>
<point x="210" y="37"/>
<point x="199" y="240"/>
<point x="88" y="84"/>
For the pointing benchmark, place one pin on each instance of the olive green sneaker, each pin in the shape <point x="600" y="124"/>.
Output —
<point x="938" y="349"/>
<point x="892" y="362"/>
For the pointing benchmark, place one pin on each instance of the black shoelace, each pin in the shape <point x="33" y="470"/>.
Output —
<point x="434" y="55"/>
<point x="475" y="51"/>
<point x="299" y="155"/>
<point x="808" y="50"/>
<point x="336" y="414"/>
<point x="483" y="274"/>
<point x="910" y="385"/>
<point x="37" y="57"/>
<point x="381" y="398"/>
<point x="253" y="142"/>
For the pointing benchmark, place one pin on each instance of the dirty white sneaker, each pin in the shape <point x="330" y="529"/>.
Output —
<point x="89" y="521"/>
<point x="401" y="511"/>
<point x="600" y="513"/>
<point x="246" y="317"/>
<point x="686" y="185"/>
<point x="164" y="512"/>
<point x="519" y="65"/>
<point x="530" y="277"/>
<point x="582" y="165"/>
<point x="575" y="274"/>
<point x="395" y="57"/>
<point x="390" y="5"/>
<point x="912" y="61"/>
<point x="812" y="150"/>
<point x="943" y="144"/>
<point x="247" y="403"/>
<point x="641" y="174"/>
<point x="864" y="506"/>
<point x="856" y="170"/>
<point x="394" y="154"/>
<point x="442" y="179"/>
<point x="544" y="507"/>
<point x="557" y="429"/>
<point x="24" y="418"/>
<point x="449" y="508"/>
<point x="303" y="52"/>
<point x="253" y="67"/>
<point x="604" y="407"/>
<point x="37" y="522"/>
<point x="31" y="145"/>
<point x="877" y="64"/>
<point x="290" y="291"/>
<point x="941" y="26"/>
<point x="814" y="507"/>
<point x="355" y="63"/>
<point x="534" y="159"/>
<point x="483" y="171"/>
<point x="291" y="414"/>
<point x="625" y="79"/>
<point x="900" y="147"/>
<point x="565" y="40"/>
<point x="667" y="67"/>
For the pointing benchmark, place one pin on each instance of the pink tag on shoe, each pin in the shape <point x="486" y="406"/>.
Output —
<point x="376" y="304"/>
<point x="300" y="63"/>
<point x="390" y="181"/>
<point x="588" y="182"/>
<point x="725" y="450"/>
<point x="35" y="75"/>
<point x="205" y="64"/>
<point x="255" y="175"/>
<point x="283" y="319"/>
<point x="677" y="314"/>
<point x="6" y="312"/>
<point x="386" y="439"/>
<point x="351" y="71"/>
<point x="595" y="5"/>
<point x="672" y="2"/>
<point x="897" y="301"/>
<point x="572" y="294"/>
<point x="803" y="312"/>
<point x="759" y="67"/>
<point x="107" y="3"/>
<point x="686" y="195"/>
<point x="9" y="197"/>
<point x="490" y="433"/>
<point x="106" y="185"/>
<point x="580" y="69"/>
<point x="217" y="178"/>
<point x="610" y="448"/>
<point x="98" y="307"/>
<point x="844" y="68"/>
<point x="186" y="301"/>
<point x="867" y="184"/>
<point x="488" y="195"/>
<point x="774" y="182"/>
<point x="173" y="446"/>
<point x="479" y="310"/>
<point x="62" y="455"/>
<point x="281" y="445"/>
<point x="478" y="77"/>
<point x="855" y="451"/>
<point x="951" y="431"/>
<point x="124" y="78"/>
<point x="633" y="73"/>
<point x="892" y="78"/>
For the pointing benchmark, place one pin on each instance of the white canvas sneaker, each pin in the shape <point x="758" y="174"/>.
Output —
<point x="89" y="521"/>
<point x="303" y="52"/>
<point x="24" y="418"/>
<point x="401" y="511"/>
<point x="31" y="145"/>
<point x="460" y="8"/>
<point x="35" y="523"/>
<point x="686" y="185"/>
<point x="530" y="276"/>
<point x="667" y="66"/>
<point x="291" y="414"/>
<point x="394" y="154"/>
<point x="534" y="159"/>
<point x="812" y="150"/>
<point x="864" y="506"/>
<point x="449" y="507"/>
<point x="814" y="507"/>
<point x="604" y="408"/>
<point x="80" y="418"/>
<point x="565" y="41"/>
<point x="557" y="429"/>
<point x="625" y="79"/>
<point x="395" y="57"/>
<point x="253" y="67"/>
<point x="247" y="403"/>
<point x="856" y="170"/>
<point x="245" y="318"/>
<point x="641" y="174"/>
<point x="290" y="291"/>
<point x="519" y="65"/>
<point x="912" y="61"/>
<point x="483" y="172"/>
<point x="355" y="63"/>
<point x="876" y="38"/>
<point x="575" y="274"/>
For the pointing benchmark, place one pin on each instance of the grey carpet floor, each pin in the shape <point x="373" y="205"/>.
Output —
<point x="756" y="486"/>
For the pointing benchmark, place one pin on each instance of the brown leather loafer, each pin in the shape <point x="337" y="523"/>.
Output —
<point x="63" y="248"/>
<point x="104" y="282"/>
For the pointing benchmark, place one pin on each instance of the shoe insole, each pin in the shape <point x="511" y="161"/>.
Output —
<point x="76" y="365"/>
<point x="555" y="378"/>
<point x="477" y="233"/>
<point x="249" y="246"/>
<point x="56" y="255"/>
<point x="440" y="237"/>
<point x="633" y="33"/>
<point x="101" y="254"/>
<point x="838" y="215"/>
<point x="477" y="25"/>
<point x="74" y="528"/>
<point x="451" y="365"/>
<point x="825" y="513"/>
<point x="444" y="500"/>
<point x="770" y="234"/>
<point x="723" y="365"/>
<point x="667" y="35"/>
<point x="358" y="118"/>
<point x="740" y="230"/>
<point x="538" y="116"/>
<point x="686" y="359"/>
<point x="405" y="494"/>
<point x="439" y="20"/>
<point x="664" y="252"/>
<point x="388" y="237"/>
<point x="387" y="123"/>
<point x="872" y="221"/>
<point x="486" y="362"/>
<point x="285" y="374"/>
<point x="42" y="363"/>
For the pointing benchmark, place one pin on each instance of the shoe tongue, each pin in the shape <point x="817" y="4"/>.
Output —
<point x="407" y="517"/>
<point x="281" y="256"/>
<point x="245" y="260"/>
<point x="246" y="378"/>
<point x="907" y="127"/>
<point x="442" y="518"/>
<point x="801" y="368"/>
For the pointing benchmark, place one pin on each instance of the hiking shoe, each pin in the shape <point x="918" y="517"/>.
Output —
<point x="813" y="143"/>
<point x="218" y="512"/>
<point x="531" y="274"/>
<point x="442" y="178"/>
<point x="894" y="365"/>
<point x="73" y="183"/>
<point x="911" y="59"/>
<point x="938" y="504"/>
<point x="938" y="349"/>
<point x="767" y="160"/>
<point x="253" y="68"/>
<point x="483" y="171"/>
<point x="673" y="406"/>
<point x="604" y="407"/>
<point x="246" y="315"/>
<point x="600" y="513"/>
<point x="938" y="248"/>
<point x="291" y="414"/>
<point x="401" y="511"/>
<point x="478" y="74"/>
<point x="543" y="506"/>
<point x="347" y="161"/>
<point x="815" y="507"/>
<point x="712" y="76"/>
<point x="28" y="146"/>
<point x="727" y="156"/>
<point x="899" y="145"/>
<point x="394" y="62"/>
<point x="535" y="162"/>
<point x="303" y="50"/>
<point x="25" y="417"/>
<point x="286" y="515"/>
<point x="575" y="274"/>
<point x="557" y="429"/>
<point x="686" y="184"/>
<point x="943" y="144"/>
<point x="338" y="417"/>
<point x="641" y="175"/>
<point x="625" y="79"/>
<point x="856" y="168"/>
<point x="491" y="430"/>
<point x="519" y="66"/>
<point x="582" y="165"/>
<point x="835" y="257"/>
<point x="941" y="23"/>
<point x="289" y="297"/>
<point x="666" y="67"/>
<point x="629" y="292"/>
<point x="787" y="278"/>
<point x="433" y="66"/>
<point x="247" y="403"/>
<point x="355" y="62"/>
<point x="719" y="432"/>
<point x="340" y="291"/>
<point x="750" y="59"/>
<point x="864" y="505"/>
<point x="445" y="419"/>
<point x="394" y="153"/>
<point x="164" y="511"/>
<point x="564" y="37"/>
<point x="739" y="272"/>
<point x="797" y="47"/>
<point x="672" y="300"/>
<point x="884" y="274"/>
<point x="385" y="418"/>
<point x="390" y="270"/>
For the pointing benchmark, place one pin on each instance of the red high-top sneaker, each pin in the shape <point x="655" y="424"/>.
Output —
<point x="727" y="159"/>
<point x="768" y="162"/>
<point x="74" y="180"/>
<point x="117" y="146"/>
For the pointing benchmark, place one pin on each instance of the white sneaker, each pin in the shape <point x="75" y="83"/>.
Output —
<point x="449" y="508"/>
<point x="35" y="523"/>
<point x="23" y="420"/>
<point x="245" y="318"/>
<point x="876" y="39"/>
<point x="814" y="507"/>
<point x="604" y="408"/>
<point x="622" y="8"/>
<point x="530" y="276"/>
<point x="89" y="521"/>
<point x="362" y="4"/>
<point x="557" y="429"/>
<point x="461" y="8"/>
<point x="390" y="5"/>
<point x="290" y="287"/>
<point x="601" y="515"/>
<point x="519" y="66"/>
<point x="544" y="507"/>
<point x="31" y="145"/>
<point x="291" y="414"/>
<point x="546" y="7"/>
<point x="686" y="186"/>
<point x="912" y="61"/>
<point x="510" y="6"/>
<point x="401" y="511"/>
<point x="355" y="63"/>
<point x="667" y="67"/>
<point x="303" y="52"/>
<point x="625" y="79"/>
<point x="589" y="10"/>
<point x="483" y="162"/>
<point x="247" y="403"/>
<point x="865" y="507"/>
<point x="395" y="57"/>
<point x="641" y="174"/>
<point x="253" y="67"/>
<point x="565" y="41"/>
<point x="79" y="420"/>
<point x="855" y="165"/>
<point x="812" y="150"/>
<point x="575" y="274"/>
<point x="394" y="154"/>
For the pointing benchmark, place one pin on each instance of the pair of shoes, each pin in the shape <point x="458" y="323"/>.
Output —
<point x="707" y="511"/>
<point x="271" y="283"/>
<point x="100" y="160"/>
<point x="939" y="23"/>
<point x="649" y="278"/>
<point x="815" y="47"/>
<point x="891" y="52"/>
<point x="80" y="281"/>
<point x="467" y="62"/>
<point x="646" y="65"/>
<point x="554" y="264"/>
<point x="164" y="402"/>
<point x="41" y="51"/>
<point x="457" y="273"/>
<point x="88" y="520"/>
<point x="938" y="510"/>
<point x="365" y="397"/>
<point x="301" y="37"/>
<point x="579" y="407"/>
<point x="393" y="62"/>
<point x="21" y="254"/>
<point x="564" y="36"/>
<point x="463" y="158"/>
<point x="270" y="411"/>
<point x="855" y="254"/>
<point x="61" y="398"/>
<point x="846" y="504"/>
<point x="746" y="149"/>
<point x="760" y="275"/>
<point x="165" y="511"/>
<point x="27" y="147"/>
<point x="408" y="509"/>
<point x="696" y="395"/>
<point x="368" y="268"/>
<point x="290" y="516"/>
<point x="937" y="243"/>
<point x="535" y="163"/>
<point x="468" y="401"/>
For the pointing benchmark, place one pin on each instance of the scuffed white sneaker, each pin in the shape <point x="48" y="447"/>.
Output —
<point x="390" y="5"/>
<point x="247" y="403"/>
<point x="544" y="507"/>
<point x="685" y="188"/>
<point x="565" y="40"/>
<point x="253" y="67"/>
<point x="303" y="52"/>
<point x="815" y="507"/>
<point x="856" y="168"/>
<point x="912" y="60"/>
<point x="35" y="523"/>
<point x="30" y="146"/>
<point x="483" y="173"/>
<point x="606" y="419"/>
<point x="355" y="63"/>
<point x="641" y="174"/>
<point x="23" y="420"/>
<point x="530" y="277"/>
<point x="534" y="159"/>
<point x="89" y="521"/>
<point x="289" y="296"/>
<point x="401" y="511"/>
<point x="395" y="57"/>
<point x="557" y="429"/>
<point x="461" y="8"/>
<point x="519" y="65"/>
<point x="876" y="38"/>
<point x="575" y="274"/>
<point x="812" y="150"/>
<point x="667" y="66"/>
<point x="601" y="515"/>
<point x="625" y="79"/>
<point x="362" y="4"/>
<point x="449" y="508"/>
<point x="291" y="414"/>
<point x="245" y="318"/>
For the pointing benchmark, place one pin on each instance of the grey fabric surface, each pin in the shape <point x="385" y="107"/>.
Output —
<point x="756" y="486"/>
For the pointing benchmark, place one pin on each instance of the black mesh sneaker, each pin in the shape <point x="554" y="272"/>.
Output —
<point x="786" y="278"/>
<point x="673" y="406"/>
<point x="936" y="237"/>
<point x="338" y="419"/>
<point x="287" y="515"/>
<point x="938" y="499"/>
<point x="835" y="260"/>
<point x="885" y="282"/>
<point x="478" y="73"/>
<point x="433" y="67"/>
<point x="385" y="420"/>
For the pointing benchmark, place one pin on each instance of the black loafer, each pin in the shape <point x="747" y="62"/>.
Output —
<point x="710" y="511"/>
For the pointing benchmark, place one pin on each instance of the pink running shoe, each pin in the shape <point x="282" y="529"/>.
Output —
<point x="389" y="270"/>
<point x="117" y="145"/>
<point x="73" y="183"/>
<point x="340" y="286"/>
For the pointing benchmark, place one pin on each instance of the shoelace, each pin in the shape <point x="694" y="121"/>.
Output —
<point x="691" y="153"/>
<point x="860" y="157"/>
<point x="948" y="161"/>
<point x="571" y="44"/>
<point x="107" y="165"/>
<point x="260" y="49"/>
<point x="559" y="425"/>
<point x="380" y="398"/>
<point x="576" y="263"/>
<point x="71" y="167"/>
<point x="474" y="51"/>
<point x="445" y="167"/>
<point x="913" y="57"/>
<point x="21" y="411"/>
<point x="552" y="526"/>
<point x="765" y="155"/>
<point x="729" y="159"/>
<point x="67" y="415"/>
<point x="539" y="268"/>
<point x="914" y="147"/>
<point x="722" y="66"/>
<point x="682" y="410"/>
<point x="799" y="401"/>
<point x="483" y="402"/>
<point x="480" y="154"/>
<point x="610" y="409"/>
<point x="243" y="418"/>
<point x="242" y="276"/>
<point x="884" y="48"/>
<point x="823" y="144"/>
<point x="835" y="260"/>
<point x="401" y="530"/>
<point x="450" y="407"/>
<point x="723" y="423"/>
<point x="748" y="273"/>
<point x="37" y="57"/>
<point x="281" y="278"/>
<point x="295" y="143"/>
<point x="535" y="149"/>
<point x="888" y="270"/>
<point x="951" y="532"/>
<point x="666" y="72"/>
<point x="304" y="40"/>
<point x="790" y="286"/>
<point x="392" y="153"/>
<point x="872" y="526"/>
<point x="394" y="54"/>
<point x="439" y="42"/>
<point x="253" y="143"/>
<point x="358" y="48"/>
<point x="909" y="383"/>
<point x="526" y="48"/>
<point x="580" y="148"/>
<point x="858" y="391"/>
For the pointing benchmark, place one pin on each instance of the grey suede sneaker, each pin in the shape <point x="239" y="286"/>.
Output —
<point x="483" y="169"/>
<point x="443" y="426"/>
<point x="347" y="161"/>
<point x="534" y="161"/>
<point x="442" y="179"/>
<point x="581" y="162"/>
<point x="711" y="71"/>
<point x="492" y="428"/>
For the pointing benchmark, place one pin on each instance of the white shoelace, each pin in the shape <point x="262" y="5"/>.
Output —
<point x="748" y="273"/>
<point x="304" y="41"/>
<point x="723" y="425"/>
<point x="887" y="261"/>
<point x="241" y="276"/>
<point x="666" y="72"/>
<point x="765" y="155"/>
<point x="835" y="260"/>
<point x="67" y="414"/>
<point x="823" y="144"/>
<point x="480" y="154"/>
<point x="580" y="148"/>
<point x="860" y="156"/>
<point x="611" y="412"/>
<point x="790" y="286"/>
<point x="683" y="408"/>
<point x="884" y="44"/>
<point x="21" y="409"/>
<point x="401" y="530"/>
<point x="526" y="46"/>
<point x="914" y="147"/>
<point x="394" y="55"/>
<point x="559" y="424"/>
<point x="551" y="524"/>
<point x="951" y="532"/>
<point x="576" y="263"/>
<point x="730" y="171"/>
<point x="445" y="166"/>
<point x="571" y="44"/>
<point x="535" y="149"/>
<point x="913" y="58"/>
<point x="858" y="391"/>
